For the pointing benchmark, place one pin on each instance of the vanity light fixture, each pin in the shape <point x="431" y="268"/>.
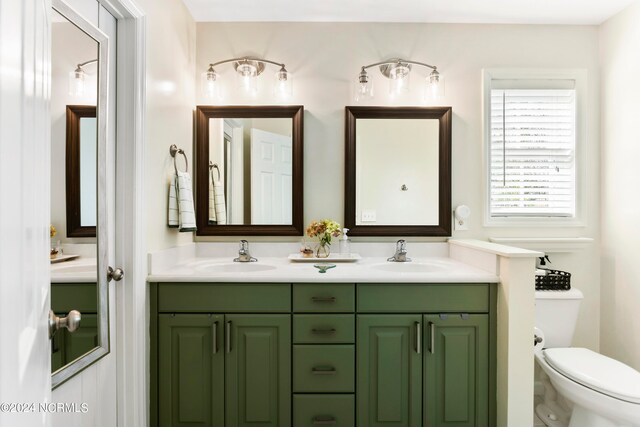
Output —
<point x="77" y="78"/>
<point x="398" y="72"/>
<point x="247" y="69"/>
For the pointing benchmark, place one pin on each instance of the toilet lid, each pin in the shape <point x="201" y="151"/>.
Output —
<point x="598" y="372"/>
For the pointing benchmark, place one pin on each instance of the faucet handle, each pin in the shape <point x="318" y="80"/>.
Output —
<point x="401" y="245"/>
<point x="244" y="245"/>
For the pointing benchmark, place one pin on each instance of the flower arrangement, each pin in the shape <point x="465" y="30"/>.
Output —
<point x="324" y="230"/>
<point x="52" y="232"/>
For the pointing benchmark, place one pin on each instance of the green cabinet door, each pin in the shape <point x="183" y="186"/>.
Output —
<point x="258" y="370"/>
<point x="190" y="370"/>
<point x="389" y="370"/>
<point x="456" y="370"/>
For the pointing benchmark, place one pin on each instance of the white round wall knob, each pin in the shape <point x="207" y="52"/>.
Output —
<point x="462" y="212"/>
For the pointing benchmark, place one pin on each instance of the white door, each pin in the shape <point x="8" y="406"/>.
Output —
<point x="271" y="178"/>
<point x="24" y="240"/>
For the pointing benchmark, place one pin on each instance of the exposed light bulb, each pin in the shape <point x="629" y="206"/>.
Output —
<point x="247" y="74"/>
<point x="76" y="82"/>
<point x="284" y="84"/>
<point x="399" y="79"/>
<point x="210" y="82"/>
<point x="364" y="88"/>
<point x="435" y="86"/>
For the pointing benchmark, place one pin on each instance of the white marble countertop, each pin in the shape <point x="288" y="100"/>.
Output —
<point x="80" y="270"/>
<point x="427" y="269"/>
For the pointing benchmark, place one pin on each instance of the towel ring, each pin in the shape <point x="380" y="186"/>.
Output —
<point x="214" y="166"/>
<point x="173" y="150"/>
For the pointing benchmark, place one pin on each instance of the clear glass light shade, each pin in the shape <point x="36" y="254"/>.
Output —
<point x="248" y="78"/>
<point x="435" y="86"/>
<point x="364" y="90"/>
<point x="399" y="80"/>
<point x="77" y="82"/>
<point x="283" y="88"/>
<point x="210" y="85"/>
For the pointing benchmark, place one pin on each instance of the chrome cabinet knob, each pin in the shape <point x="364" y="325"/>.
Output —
<point x="71" y="322"/>
<point x="116" y="274"/>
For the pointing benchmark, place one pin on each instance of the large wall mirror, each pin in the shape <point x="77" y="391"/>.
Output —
<point x="398" y="171"/>
<point x="249" y="170"/>
<point x="79" y="70"/>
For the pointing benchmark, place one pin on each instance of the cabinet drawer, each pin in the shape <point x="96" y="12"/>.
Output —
<point x="323" y="368"/>
<point x="312" y="410"/>
<point x="336" y="298"/>
<point x="323" y="328"/>
<point x="423" y="298"/>
<point x="224" y="298"/>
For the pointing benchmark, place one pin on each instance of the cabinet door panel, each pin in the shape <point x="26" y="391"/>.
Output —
<point x="258" y="370"/>
<point x="190" y="370"/>
<point x="389" y="371"/>
<point x="456" y="371"/>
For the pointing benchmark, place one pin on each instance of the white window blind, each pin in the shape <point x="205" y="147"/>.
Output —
<point x="532" y="152"/>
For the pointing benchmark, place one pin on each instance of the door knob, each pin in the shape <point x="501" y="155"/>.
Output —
<point x="71" y="322"/>
<point x="116" y="274"/>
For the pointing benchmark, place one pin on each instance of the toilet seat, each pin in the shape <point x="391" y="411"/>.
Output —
<point x="598" y="372"/>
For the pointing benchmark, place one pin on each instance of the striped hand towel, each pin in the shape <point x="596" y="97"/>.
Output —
<point x="181" y="210"/>
<point x="173" y="217"/>
<point x="217" y="205"/>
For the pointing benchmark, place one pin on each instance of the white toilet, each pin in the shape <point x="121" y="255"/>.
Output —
<point x="602" y="391"/>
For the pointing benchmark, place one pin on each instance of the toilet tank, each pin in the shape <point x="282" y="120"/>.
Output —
<point x="557" y="315"/>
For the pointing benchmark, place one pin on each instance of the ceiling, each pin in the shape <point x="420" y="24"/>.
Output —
<point x="586" y="12"/>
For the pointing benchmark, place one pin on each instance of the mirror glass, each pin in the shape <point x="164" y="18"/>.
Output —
<point x="248" y="170"/>
<point x="398" y="171"/>
<point x="251" y="171"/>
<point x="74" y="142"/>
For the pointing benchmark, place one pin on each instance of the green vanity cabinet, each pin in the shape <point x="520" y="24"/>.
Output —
<point x="456" y="370"/>
<point x="302" y="355"/>
<point x="389" y="371"/>
<point x="221" y="369"/>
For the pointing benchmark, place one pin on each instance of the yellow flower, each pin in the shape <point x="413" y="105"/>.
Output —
<point x="52" y="231"/>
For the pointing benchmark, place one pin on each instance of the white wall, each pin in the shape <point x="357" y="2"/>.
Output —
<point x="619" y="47"/>
<point x="326" y="58"/>
<point x="171" y="33"/>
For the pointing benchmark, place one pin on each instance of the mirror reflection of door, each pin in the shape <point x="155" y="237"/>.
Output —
<point x="74" y="93"/>
<point x="251" y="170"/>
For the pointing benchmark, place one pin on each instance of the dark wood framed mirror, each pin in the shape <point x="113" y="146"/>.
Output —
<point x="398" y="171"/>
<point x="249" y="170"/>
<point x="81" y="169"/>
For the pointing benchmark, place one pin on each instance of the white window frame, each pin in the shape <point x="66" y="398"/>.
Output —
<point x="580" y="78"/>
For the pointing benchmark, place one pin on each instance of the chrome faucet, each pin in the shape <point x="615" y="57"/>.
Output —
<point x="243" y="253"/>
<point x="401" y="253"/>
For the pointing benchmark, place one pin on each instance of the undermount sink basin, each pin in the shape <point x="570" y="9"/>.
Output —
<point x="234" y="267"/>
<point x="407" y="267"/>
<point x="74" y="269"/>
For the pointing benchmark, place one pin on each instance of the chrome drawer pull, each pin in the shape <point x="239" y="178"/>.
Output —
<point x="432" y="332"/>
<point x="323" y="370"/>
<point x="324" y="331"/>
<point x="418" y="337"/>
<point x="227" y="336"/>
<point x="323" y="299"/>
<point x="323" y="420"/>
<point x="215" y="337"/>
